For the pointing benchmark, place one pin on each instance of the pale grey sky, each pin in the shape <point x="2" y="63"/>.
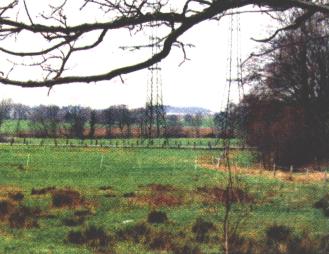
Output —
<point x="199" y="82"/>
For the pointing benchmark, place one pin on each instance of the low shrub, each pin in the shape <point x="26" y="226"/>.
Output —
<point x="139" y="233"/>
<point x="157" y="217"/>
<point x="92" y="236"/>
<point x="162" y="241"/>
<point x="186" y="248"/>
<point x="201" y="229"/>
<point x="323" y="204"/>
<point x="278" y="233"/>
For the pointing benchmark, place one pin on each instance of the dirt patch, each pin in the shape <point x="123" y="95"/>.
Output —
<point x="18" y="216"/>
<point x="66" y="198"/>
<point x="220" y="195"/>
<point x="6" y="208"/>
<point x="5" y="190"/>
<point x="24" y="217"/>
<point x="158" y="195"/>
<point x="16" y="196"/>
<point x="42" y="191"/>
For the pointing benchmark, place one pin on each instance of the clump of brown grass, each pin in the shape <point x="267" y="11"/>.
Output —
<point x="217" y="194"/>
<point x="66" y="198"/>
<point x="24" y="217"/>
<point x="6" y="208"/>
<point x="42" y="191"/>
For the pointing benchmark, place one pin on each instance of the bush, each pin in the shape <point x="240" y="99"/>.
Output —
<point x="201" y="229"/>
<point x="76" y="237"/>
<point x="278" y="233"/>
<point x="162" y="241"/>
<point x="138" y="233"/>
<point x="92" y="236"/>
<point x="323" y="204"/>
<point x="187" y="248"/>
<point x="157" y="217"/>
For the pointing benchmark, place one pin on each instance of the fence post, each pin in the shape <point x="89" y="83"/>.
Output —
<point x="28" y="161"/>
<point x="274" y="169"/>
<point x="291" y="171"/>
<point x="325" y="176"/>
<point x="101" y="163"/>
<point x="196" y="163"/>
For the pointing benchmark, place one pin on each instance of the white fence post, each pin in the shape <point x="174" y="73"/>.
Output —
<point x="28" y="161"/>
<point x="196" y="163"/>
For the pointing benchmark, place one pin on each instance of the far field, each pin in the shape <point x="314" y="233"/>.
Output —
<point x="99" y="199"/>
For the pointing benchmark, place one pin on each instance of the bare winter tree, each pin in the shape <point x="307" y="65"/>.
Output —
<point x="5" y="106"/>
<point x="65" y="31"/>
<point x="45" y="121"/>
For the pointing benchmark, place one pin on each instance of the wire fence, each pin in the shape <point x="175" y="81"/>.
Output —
<point x="183" y="143"/>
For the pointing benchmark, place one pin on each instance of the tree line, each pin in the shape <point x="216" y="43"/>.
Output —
<point x="84" y="122"/>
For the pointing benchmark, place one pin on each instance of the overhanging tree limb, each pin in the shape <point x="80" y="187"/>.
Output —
<point x="134" y="15"/>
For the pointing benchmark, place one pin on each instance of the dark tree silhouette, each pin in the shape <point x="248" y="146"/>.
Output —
<point x="287" y="117"/>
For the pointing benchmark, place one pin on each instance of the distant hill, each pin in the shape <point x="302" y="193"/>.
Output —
<point x="171" y="110"/>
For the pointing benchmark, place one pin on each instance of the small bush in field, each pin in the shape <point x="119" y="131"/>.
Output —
<point x="278" y="233"/>
<point x="323" y="204"/>
<point x="201" y="229"/>
<point x="92" y="236"/>
<point x="138" y="233"/>
<point x="157" y="217"/>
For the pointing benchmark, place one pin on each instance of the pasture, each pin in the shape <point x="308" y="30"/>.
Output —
<point x="114" y="200"/>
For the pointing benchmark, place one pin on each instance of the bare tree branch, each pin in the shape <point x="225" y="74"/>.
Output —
<point x="64" y="38"/>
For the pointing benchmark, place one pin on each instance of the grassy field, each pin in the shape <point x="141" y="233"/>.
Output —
<point x="99" y="200"/>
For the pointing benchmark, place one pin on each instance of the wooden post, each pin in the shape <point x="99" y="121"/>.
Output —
<point x="101" y="163"/>
<point x="325" y="176"/>
<point x="291" y="171"/>
<point x="274" y="169"/>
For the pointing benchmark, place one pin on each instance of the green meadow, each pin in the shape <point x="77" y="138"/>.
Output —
<point x="113" y="200"/>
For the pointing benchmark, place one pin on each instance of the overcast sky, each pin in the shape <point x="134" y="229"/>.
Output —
<point x="199" y="82"/>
